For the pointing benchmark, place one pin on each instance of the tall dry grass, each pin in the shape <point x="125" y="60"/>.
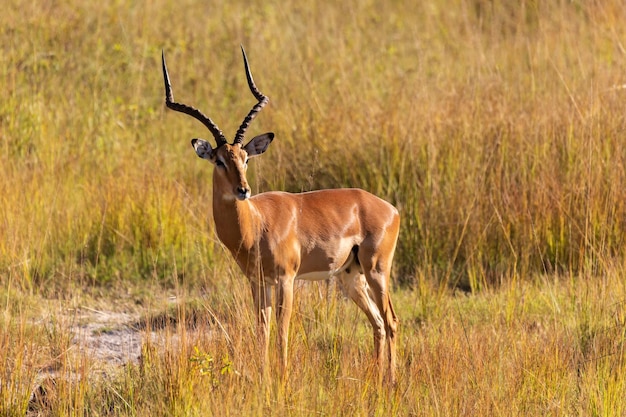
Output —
<point x="495" y="128"/>
<point x="543" y="348"/>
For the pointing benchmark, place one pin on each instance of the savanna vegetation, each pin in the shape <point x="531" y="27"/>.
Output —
<point x="497" y="129"/>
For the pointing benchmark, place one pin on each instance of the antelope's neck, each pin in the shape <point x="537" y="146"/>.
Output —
<point x="236" y="223"/>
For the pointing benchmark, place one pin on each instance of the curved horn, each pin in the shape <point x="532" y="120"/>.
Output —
<point x="263" y="100"/>
<point x="191" y="111"/>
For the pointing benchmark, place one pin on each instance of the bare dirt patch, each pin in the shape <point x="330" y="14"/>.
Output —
<point x="109" y="337"/>
<point x="109" y="340"/>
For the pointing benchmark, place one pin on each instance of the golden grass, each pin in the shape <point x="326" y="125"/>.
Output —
<point x="495" y="128"/>
<point x="549" y="347"/>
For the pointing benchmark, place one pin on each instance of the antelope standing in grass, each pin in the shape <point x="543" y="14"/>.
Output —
<point x="278" y="237"/>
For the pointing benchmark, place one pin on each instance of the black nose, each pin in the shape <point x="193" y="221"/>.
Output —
<point x="243" y="193"/>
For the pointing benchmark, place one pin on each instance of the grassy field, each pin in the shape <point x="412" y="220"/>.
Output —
<point x="497" y="129"/>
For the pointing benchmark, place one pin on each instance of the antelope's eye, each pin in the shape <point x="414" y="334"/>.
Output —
<point x="219" y="163"/>
<point x="246" y="163"/>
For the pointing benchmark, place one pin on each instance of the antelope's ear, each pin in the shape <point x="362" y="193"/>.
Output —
<point x="258" y="144"/>
<point x="203" y="148"/>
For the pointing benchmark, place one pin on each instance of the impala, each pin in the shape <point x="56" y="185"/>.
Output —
<point x="277" y="237"/>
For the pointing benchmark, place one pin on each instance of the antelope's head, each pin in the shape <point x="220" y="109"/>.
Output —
<point x="230" y="159"/>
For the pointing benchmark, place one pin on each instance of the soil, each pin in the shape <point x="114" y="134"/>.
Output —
<point x="109" y="337"/>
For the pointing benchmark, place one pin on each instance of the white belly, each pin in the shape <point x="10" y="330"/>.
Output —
<point x="317" y="275"/>
<point x="322" y="275"/>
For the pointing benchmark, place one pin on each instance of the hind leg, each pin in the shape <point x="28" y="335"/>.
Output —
<point x="354" y="285"/>
<point x="391" y="327"/>
<point x="379" y="294"/>
<point x="376" y="266"/>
